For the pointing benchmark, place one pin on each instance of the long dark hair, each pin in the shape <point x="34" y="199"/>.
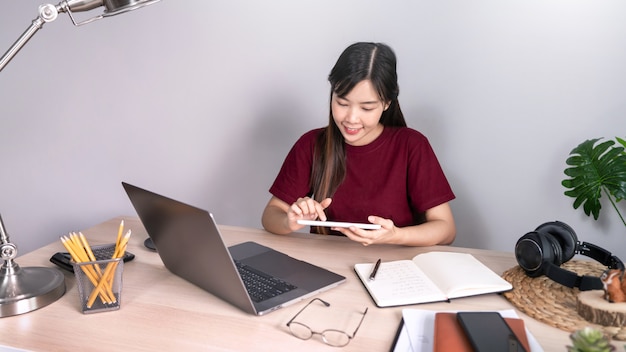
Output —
<point x="360" y="61"/>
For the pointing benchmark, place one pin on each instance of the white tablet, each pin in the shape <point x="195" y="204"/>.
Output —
<point x="339" y="224"/>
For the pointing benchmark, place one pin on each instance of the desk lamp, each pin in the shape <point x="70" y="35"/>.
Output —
<point x="25" y="289"/>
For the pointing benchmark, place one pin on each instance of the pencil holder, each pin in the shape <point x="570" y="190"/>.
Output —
<point x="99" y="284"/>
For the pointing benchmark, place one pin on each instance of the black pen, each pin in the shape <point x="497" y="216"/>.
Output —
<point x="375" y="270"/>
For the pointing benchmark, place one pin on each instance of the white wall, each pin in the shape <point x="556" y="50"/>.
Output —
<point x="201" y="100"/>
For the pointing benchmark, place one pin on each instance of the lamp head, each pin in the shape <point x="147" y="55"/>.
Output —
<point x="115" y="7"/>
<point x="111" y="7"/>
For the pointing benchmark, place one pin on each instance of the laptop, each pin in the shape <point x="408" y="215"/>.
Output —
<point x="190" y="245"/>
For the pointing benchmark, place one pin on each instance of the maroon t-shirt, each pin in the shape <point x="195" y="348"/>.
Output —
<point x="397" y="177"/>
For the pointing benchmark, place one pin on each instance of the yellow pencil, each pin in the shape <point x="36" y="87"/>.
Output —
<point x="87" y="247"/>
<point x="88" y="270"/>
<point x="84" y="254"/>
<point x="120" y="249"/>
<point x="79" y="250"/>
<point x="109" y="271"/>
<point x="119" y="233"/>
<point x="108" y="289"/>
<point x="69" y="248"/>
<point x="104" y="281"/>
<point x="87" y="255"/>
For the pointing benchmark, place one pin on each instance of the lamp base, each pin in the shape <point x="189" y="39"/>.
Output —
<point x="25" y="289"/>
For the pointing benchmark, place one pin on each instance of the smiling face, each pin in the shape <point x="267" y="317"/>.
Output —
<point x="357" y="114"/>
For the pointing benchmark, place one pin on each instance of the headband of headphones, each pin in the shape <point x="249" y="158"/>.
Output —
<point x="541" y="252"/>
<point x="584" y="282"/>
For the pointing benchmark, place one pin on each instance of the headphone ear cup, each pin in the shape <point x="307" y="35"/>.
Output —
<point x="564" y="235"/>
<point x="533" y="250"/>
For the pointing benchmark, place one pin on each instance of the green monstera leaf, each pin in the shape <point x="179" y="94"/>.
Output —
<point x="595" y="169"/>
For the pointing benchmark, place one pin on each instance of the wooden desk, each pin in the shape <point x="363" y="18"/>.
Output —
<point x="160" y="311"/>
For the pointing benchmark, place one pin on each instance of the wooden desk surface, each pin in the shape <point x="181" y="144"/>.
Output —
<point x="160" y="311"/>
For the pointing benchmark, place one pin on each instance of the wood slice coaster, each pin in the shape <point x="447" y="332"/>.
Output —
<point x="595" y="308"/>
<point x="555" y="304"/>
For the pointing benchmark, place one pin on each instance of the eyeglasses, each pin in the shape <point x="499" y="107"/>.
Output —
<point x="332" y="337"/>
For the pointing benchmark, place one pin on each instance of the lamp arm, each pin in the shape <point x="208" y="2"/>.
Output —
<point x="47" y="13"/>
<point x="8" y="251"/>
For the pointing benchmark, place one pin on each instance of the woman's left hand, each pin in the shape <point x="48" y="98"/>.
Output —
<point x="367" y="237"/>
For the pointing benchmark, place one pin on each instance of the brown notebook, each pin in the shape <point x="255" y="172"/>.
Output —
<point x="449" y="335"/>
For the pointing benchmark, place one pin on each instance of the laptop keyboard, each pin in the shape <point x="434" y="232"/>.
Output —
<point x="261" y="286"/>
<point x="103" y="252"/>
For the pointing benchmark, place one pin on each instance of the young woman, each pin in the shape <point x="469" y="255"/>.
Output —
<point x="366" y="165"/>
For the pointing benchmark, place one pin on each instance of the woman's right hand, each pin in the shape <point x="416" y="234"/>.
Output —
<point x="306" y="209"/>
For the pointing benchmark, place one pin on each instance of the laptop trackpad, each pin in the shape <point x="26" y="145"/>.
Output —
<point x="246" y="250"/>
<point x="267" y="260"/>
<point x="275" y="264"/>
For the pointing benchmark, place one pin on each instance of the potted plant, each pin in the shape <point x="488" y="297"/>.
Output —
<point x="590" y="339"/>
<point x="595" y="169"/>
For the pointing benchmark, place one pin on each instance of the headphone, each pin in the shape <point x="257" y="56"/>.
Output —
<point x="541" y="252"/>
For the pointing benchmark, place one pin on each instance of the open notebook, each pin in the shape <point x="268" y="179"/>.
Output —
<point x="429" y="277"/>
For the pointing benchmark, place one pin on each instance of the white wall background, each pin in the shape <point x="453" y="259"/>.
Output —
<point x="201" y="100"/>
